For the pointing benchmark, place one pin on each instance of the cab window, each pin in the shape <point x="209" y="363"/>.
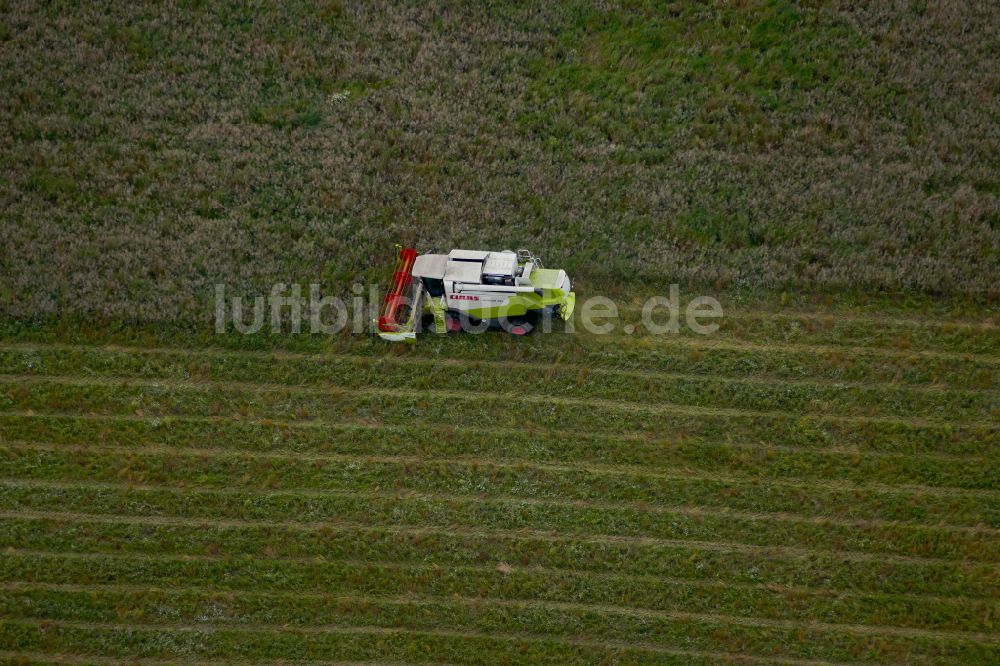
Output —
<point x="434" y="286"/>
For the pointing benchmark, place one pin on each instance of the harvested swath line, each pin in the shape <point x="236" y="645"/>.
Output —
<point x="517" y="584"/>
<point x="61" y="358"/>
<point x="588" y="520"/>
<point x="784" y="544"/>
<point x="704" y="635"/>
<point x="686" y="586"/>
<point x="349" y="373"/>
<point x="514" y="478"/>
<point x="838" y="331"/>
<point x="872" y="336"/>
<point x="183" y="500"/>
<point x="498" y="579"/>
<point x="724" y="461"/>
<point x="274" y="471"/>
<point x="282" y="454"/>
<point x="668" y="472"/>
<point x="95" y="604"/>
<point x="283" y="402"/>
<point x="762" y="434"/>
<point x="324" y="538"/>
<point x="880" y="319"/>
<point x="361" y="643"/>
<point x="310" y="607"/>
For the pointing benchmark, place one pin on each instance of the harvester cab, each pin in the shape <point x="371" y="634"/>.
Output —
<point x="470" y="286"/>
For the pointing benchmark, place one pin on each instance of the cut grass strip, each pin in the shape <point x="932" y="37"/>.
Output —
<point x="257" y="643"/>
<point x="764" y="328"/>
<point x="361" y="643"/>
<point x="704" y="361"/>
<point x="583" y="519"/>
<point x="220" y="469"/>
<point x="751" y="596"/>
<point x="758" y="446"/>
<point x="869" y="332"/>
<point x="352" y="372"/>
<point x="255" y="606"/>
<point x="485" y="410"/>
<point x="524" y="620"/>
<point x="813" y="331"/>
<point x="676" y="558"/>
<point x="741" y="590"/>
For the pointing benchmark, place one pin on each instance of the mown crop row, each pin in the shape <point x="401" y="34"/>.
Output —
<point x="692" y="357"/>
<point x="513" y="411"/>
<point x="754" y="328"/>
<point x="223" y="470"/>
<point x="537" y="383"/>
<point x="348" y="647"/>
<point x="768" y="327"/>
<point x="840" y="596"/>
<point x="566" y="519"/>
<point x="525" y="620"/>
<point x="353" y="644"/>
<point x="775" y="603"/>
<point x="458" y="547"/>
<point x="690" y="453"/>
<point x="760" y="438"/>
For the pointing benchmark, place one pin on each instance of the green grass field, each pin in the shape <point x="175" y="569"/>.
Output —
<point x="167" y="496"/>
<point x="816" y="483"/>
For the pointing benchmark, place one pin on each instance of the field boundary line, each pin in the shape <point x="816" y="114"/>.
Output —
<point x="547" y="536"/>
<point x="617" y="405"/>
<point x="414" y="495"/>
<point x="470" y="568"/>
<point x="472" y="364"/>
<point x="610" y="609"/>
<point x="347" y="424"/>
<point x="512" y="463"/>
<point x="605" y="644"/>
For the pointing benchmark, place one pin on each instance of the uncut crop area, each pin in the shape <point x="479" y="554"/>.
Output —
<point x="815" y="483"/>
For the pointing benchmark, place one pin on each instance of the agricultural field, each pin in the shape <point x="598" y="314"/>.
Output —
<point x="816" y="483"/>
<point x="773" y="494"/>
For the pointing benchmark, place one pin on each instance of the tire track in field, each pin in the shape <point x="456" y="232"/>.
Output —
<point x="549" y="536"/>
<point x="407" y="495"/>
<point x="459" y="362"/>
<point x="540" y="604"/>
<point x="603" y="403"/>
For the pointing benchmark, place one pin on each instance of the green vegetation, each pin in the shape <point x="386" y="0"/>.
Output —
<point x="761" y="149"/>
<point x="815" y="484"/>
<point x="160" y="497"/>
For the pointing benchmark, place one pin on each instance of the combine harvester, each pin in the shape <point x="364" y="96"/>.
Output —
<point x="471" y="289"/>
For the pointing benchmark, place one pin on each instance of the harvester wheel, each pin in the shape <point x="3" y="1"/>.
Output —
<point x="518" y="327"/>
